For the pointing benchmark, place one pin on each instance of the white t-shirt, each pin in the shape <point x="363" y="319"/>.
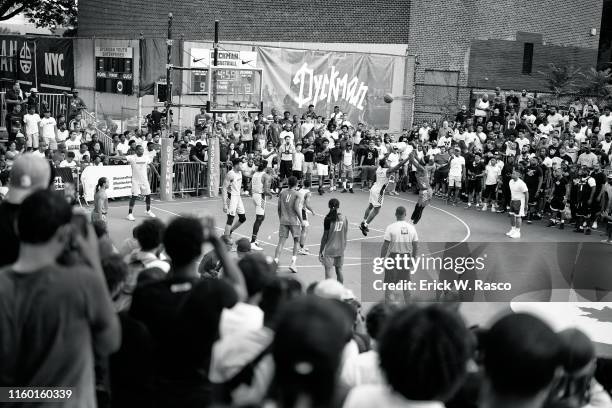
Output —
<point x="123" y="148"/>
<point x="518" y="189"/>
<point x="269" y="160"/>
<point x="492" y="174"/>
<point x="401" y="235"/>
<point x="470" y="137"/>
<point x="73" y="144"/>
<point x="393" y="159"/>
<point x="456" y="166"/>
<point x="380" y="395"/>
<point x="48" y="127"/>
<point x="284" y="134"/>
<point x="522" y="142"/>
<point x="31" y="122"/>
<point x="62" y="135"/>
<point x="298" y="161"/>
<point x="240" y="318"/>
<point x="66" y="163"/>
<point x="546" y="129"/>
<point x="139" y="168"/>
<point x="362" y="369"/>
<point x="605" y="124"/>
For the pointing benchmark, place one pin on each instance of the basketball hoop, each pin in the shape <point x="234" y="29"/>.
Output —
<point x="243" y="114"/>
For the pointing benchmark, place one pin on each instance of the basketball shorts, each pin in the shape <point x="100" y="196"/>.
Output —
<point x="517" y="208"/>
<point x="489" y="192"/>
<point x="334" y="170"/>
<point x="533" y="192"/>
<point x="285" y="168"/>
<point x="32" y="140"/>
<point x="260" y="203"/>
<point x="347" y="171"/>
<point x="283" y="231"/>
<point x="475" y="186"/>
<point x="308" y="167"/>
<point x="377" y="196"/>
<point x="234" y="205"/>
<point x="556" y="204"/>
<point x="140" y="189"/>
<point x="332" y="262"/>
<point x="425" y="195"/>
<point x="322" y="169"/>
<point x="454" y="181"/>
<point x="305" y="217"/>
<point x="51" y="143"/>
<point x="297" y="174"/>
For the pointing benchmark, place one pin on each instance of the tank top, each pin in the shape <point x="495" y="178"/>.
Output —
<point x="381" y="177"/>
<point x="422" y="176"/>
<point x="347" y="158"/>
<point x="288" y="215"/>
<point x="257" y="181"/>
<point x="235" y="182"/>
<point x="336" y="237"/>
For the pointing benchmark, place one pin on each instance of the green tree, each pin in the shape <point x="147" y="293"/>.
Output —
<point x="597" y="84"/>
<point x="562" y="79"/>
<point x="51" y="14"/>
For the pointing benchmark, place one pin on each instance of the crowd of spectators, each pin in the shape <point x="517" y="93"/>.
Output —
<point x="143" y="324"/>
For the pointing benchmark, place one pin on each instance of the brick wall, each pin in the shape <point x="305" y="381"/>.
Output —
<point x="444" y="37"/>
<point x="357" y="21"/>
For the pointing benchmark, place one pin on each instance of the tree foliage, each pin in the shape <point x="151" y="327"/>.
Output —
<point x="597" y="84"/>
<point x="562" y="79"/>
<point x="50" y="14"/>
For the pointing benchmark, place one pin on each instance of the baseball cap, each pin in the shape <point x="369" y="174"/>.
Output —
<point x="33" y="90"/>
<point x="29" y="174"/>
<point x="243" y="245"/>
<point x="610" y="176"/>
<point x="332" y="289"/>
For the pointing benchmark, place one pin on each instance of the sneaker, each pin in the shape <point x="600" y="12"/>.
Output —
<point x="469" y="205"/>
<point x="529" y="222"/>
<point x="516" y="234"/>
<point x="493" y="209"/>
<point x="130" y="217"/>
<point x="363" y="229"/>
<point x="256" y="247"/>
<point x="351" y="190"/>
<point x="293" y="267"/>
<point x="150" y="214"/>
<point x="562" y="226"/>
<point x="587" y="231"/>
<point x="606" y="241"/>
<point x="484" y="207"/>
<point x="594" y="226"/>
<point x="320" y="191"/>
<point x="344" y="190"/>
<point x="332" y="188"/>
<point x="551" y="223"/>
<point x="510" y="232"/>
<point x="303" y="251"/>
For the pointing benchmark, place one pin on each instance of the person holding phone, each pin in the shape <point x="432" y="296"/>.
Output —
<point x="100" y="201"/>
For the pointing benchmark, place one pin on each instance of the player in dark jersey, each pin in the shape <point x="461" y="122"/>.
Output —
<point x="581" y="198"/>
<point x="333" y="241"/>
<point x="559" y="193"/>
<point x="425" y="191"/>
<point x="290" y="216"/>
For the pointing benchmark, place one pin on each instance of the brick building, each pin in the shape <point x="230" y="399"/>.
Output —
<point x="460" y="44"/>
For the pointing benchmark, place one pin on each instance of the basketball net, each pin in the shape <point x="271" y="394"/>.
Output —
<point x="242" y="114"/>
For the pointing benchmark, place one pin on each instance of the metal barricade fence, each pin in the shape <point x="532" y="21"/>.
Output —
<point x="189" y="177"/>
<point x="105" y="140"/>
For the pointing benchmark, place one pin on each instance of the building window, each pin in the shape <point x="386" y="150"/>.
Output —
<point x="527" y="58"/>
<point x="440" y="89"/>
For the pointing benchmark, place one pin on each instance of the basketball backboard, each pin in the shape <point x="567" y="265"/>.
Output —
<point x="235" y="89"/>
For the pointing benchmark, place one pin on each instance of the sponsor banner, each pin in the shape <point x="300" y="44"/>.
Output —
<point x="114" y="52"/>
<point x="203" y="58"/>
<point x="294" y="79"/>
<point x="167" y="167"/>
<point x="214" y="167"/>
<point x="489" y="272"/>
<point x="42" y="62"/>
<point x="119" y="180"/>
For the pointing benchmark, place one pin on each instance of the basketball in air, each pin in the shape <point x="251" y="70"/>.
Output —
<point x="388" y="98"/>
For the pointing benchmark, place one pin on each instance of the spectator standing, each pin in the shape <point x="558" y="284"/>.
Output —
<point x="64" y="311"/>
<point x="31" y="121"/>
<point x="28" y="175"/>
<point x="75" y="104"/>
<point x="14" y="96"/>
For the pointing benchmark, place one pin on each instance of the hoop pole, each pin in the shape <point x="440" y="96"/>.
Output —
<point x="215" y="61"/>
<point x="168" y="76"/>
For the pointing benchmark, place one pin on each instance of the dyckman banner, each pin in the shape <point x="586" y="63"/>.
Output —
<point x="294" y="79"/>
<point x="38" y="62"/>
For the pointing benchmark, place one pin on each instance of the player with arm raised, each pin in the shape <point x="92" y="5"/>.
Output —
<point x="290" y="217"/>
<point x="140" y="180"/>
<point x="425" y="191"/>
<point x="232" y="200"/>
<point x="260" y="184"/>
<point x="377" y="192"/>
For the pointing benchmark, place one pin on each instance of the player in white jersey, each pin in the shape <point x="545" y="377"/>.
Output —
<point x="305" y="195"/>
<point x="232" y="203"/>
<point x="348" y="156"/>
<point x="140" y="180"/>
<point x="377" y="192"/>
<point x="260" y="187"/>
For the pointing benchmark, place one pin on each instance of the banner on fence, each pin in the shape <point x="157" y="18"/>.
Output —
<point x="214" y="167"/>
<point x="119" y="180"/>
<point x="356" y="83"/>
<point x="41" y="62"/>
